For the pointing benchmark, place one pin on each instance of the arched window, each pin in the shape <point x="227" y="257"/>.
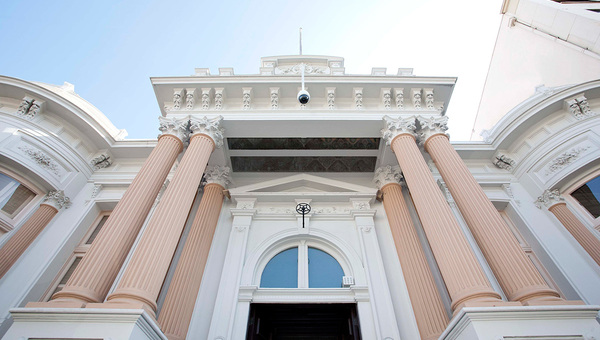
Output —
<point x="302" y="267"/>
<point x="281" y="271"/>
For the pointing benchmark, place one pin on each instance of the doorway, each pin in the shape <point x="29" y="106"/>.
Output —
<point x="303" y="322"/>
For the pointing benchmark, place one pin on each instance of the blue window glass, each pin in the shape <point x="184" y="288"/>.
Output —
<point x="323" y="270"/>
<point x="588" y="195"/>
<point x="281" y="271"/>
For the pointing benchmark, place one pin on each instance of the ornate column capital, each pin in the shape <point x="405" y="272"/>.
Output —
<point x="208" y="126"/>
<point x="175" y="127"/>
<point x="57" y="199"/>
<point x="549" y="198"/>
<point x="388" y="174"/>
<point x="397" y="126"/>
<point x="430" y="126"/>
<point x="218" y="175"/>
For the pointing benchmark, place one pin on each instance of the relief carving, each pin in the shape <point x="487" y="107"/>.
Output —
<point x="565" y="159"/>
<point x="41" y="159"/>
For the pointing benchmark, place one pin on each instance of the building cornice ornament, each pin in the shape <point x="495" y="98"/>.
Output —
<point x="386" y="175"/>
<point x="446" y="192"/>
<point x="246" y="98"/>
<point x="29" y="108"/>
<point x="41" y="159"/>
<point x="101" y="162"/>
<point x="549" y="198"/>
<point x="503" y="162"/>
<point x="580" y="108"/>
<point x="218" y="175"/>
<point x="416" y="98"/>
<point x="210" y="127"/>
<point x="274" y="91"/>
<point x="508" y="189"/>
<point x="565" y="159"/>
<point x="358" y="98"/>
<point x="430" y="126"/>
<point x="190" y="98"/>
<point x="394" y="127"/>
<point x="24" y="106"/>
<point x="205" y="99"/>
<point x="308" y="69"/>
<point x="175" y="127"/>
<point x="177" y="98"/>
<point x="386" y="98"/>
<point x="219" y="98"/>
<point x="57" y="199"/>
<point x="399" y="97"/>
<point x="331" y="97"/>
<point x="429" y="99"/>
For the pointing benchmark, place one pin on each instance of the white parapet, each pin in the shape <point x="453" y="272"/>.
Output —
<point x="530" y="322"/>
<point x="82" y="323"/>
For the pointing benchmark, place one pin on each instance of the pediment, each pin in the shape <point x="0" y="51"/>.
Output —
<point x="302" y="183"/>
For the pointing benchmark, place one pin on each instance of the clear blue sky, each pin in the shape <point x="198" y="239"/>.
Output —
<point x="109" y="49"/>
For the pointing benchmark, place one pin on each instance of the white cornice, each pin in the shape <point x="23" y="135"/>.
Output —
<point x="71" y="105"/>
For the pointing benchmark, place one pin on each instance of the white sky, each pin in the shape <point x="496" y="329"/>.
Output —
<point x="109" y="49"/>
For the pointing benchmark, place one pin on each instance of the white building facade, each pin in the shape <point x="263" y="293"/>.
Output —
<point x="253" y="216"/>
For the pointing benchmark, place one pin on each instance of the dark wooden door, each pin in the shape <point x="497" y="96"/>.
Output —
<point x="303" y="322"/>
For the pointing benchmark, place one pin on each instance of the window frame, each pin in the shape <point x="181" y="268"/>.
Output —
<point x="7" y="222"/>
<point x="578" y="208"/>
<point x="302" y="245"/>
<point x="79" y="252"/>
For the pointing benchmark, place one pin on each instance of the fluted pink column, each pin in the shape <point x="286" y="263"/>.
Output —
<point x="515" y="272"/>
<point x="462" y="273"/>
<point x="145" y="273"/>
<point x="424" y="296"/>
<point x="22" y="238"/>
<point x="557" y="206"/>
<point x="176" y="313"/>
<point x="98" y="269"/>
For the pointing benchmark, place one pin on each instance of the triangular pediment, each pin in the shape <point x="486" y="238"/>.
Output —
<point x="302" y="183"/>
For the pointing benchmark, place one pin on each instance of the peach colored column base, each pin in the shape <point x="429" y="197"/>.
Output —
<point x="57" y="304"/>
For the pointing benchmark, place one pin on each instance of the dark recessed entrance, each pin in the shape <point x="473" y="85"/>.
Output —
<point x="303" y="322"/>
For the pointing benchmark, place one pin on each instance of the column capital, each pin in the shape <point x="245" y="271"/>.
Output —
<point x="397" y="126"/>
<point x="430" y="126"/>
<point x="174" y="127"/>
<point x="208" y="126"/>
<point x="218" y="175"/>
<point x="549" y="198"/>
<point x="388" y="174"/>
<point x="57" y="200"/>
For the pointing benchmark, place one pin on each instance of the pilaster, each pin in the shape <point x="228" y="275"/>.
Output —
<point x="227" y="302"/>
